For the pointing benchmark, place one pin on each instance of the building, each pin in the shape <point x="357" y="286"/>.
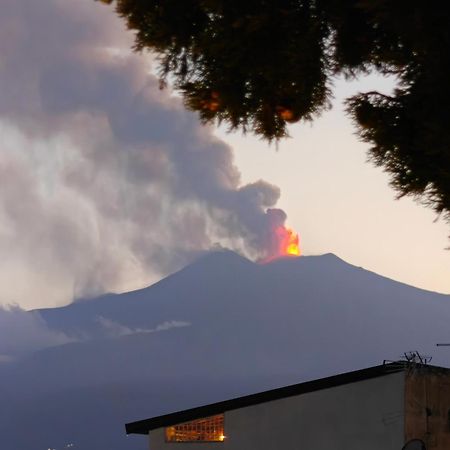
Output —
<point x="379" y="408"/>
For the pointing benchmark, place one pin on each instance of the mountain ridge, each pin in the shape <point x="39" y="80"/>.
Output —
<point x="220" y="328"/>
<point x="232" y="258"/>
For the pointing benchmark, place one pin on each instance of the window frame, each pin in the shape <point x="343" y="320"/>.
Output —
<point x="215" y="441"/>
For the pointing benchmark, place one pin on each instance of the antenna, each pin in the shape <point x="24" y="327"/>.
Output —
<point x="442" y="345"/>
<point x="414" y="444"/>
<point x="409" y="360"/>
<point x="415" y="357"/>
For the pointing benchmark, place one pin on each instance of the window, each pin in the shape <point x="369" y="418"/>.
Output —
<point x="209" y="429"/>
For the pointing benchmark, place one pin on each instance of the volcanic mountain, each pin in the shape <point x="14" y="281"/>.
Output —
<point x="221" y="327"/>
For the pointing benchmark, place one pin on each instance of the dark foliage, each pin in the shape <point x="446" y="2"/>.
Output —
<point x="260" y="64"/>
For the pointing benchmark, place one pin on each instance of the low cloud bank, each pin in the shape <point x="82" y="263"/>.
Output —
<point x="116" y="329"/>
<point x="23" y="332"/>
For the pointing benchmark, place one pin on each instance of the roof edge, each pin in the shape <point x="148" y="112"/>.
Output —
<point x="146" y="425"/>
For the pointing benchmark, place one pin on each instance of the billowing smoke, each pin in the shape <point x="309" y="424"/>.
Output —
<point x="104" y="179"/>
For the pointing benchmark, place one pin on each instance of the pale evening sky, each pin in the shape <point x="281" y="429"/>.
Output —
<point x="342" y="204"/>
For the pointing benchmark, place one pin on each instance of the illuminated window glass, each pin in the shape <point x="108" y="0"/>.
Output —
<point x="209" y="429"/>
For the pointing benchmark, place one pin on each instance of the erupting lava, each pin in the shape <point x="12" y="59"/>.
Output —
<point x="288" y="242"/>
<point x="285" y="243"/>
<point x="280" y="241"/>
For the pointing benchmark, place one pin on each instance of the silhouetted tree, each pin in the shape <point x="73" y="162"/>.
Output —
<point x="259" y="64"/>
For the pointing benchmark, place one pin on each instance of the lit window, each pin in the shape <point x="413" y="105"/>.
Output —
<point x="209" y="429"/>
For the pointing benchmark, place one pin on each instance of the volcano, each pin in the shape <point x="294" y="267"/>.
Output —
<point x="221" y="327"/>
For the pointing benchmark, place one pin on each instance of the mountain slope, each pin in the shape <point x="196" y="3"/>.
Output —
<point x="221" y="327"/>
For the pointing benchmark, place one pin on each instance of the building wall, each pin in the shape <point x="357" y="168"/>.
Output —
<point x="427" y="407"/>
<point x="367" y="415"/>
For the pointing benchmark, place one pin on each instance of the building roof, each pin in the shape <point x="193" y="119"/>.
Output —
<point x="144" y="426"/>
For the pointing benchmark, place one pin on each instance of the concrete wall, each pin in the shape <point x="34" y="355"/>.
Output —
<point x="367" y="415"/>
<point x="427" y="407"/>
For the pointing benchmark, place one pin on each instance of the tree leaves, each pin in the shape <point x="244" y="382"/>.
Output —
<point x="259" y="65"/>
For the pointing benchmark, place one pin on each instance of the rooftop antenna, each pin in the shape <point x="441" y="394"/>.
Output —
<point x="409" y="360"/>
<point x="416" y="358"/>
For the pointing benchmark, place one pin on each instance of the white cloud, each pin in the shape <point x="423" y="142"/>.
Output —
<point x="115" y="329"/>
<point x="23" y="331"/>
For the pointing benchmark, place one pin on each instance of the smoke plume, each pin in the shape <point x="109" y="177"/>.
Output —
<point x="105" y="180"/>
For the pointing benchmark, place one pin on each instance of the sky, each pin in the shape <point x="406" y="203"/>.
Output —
<point x="108" y="184"/>
<point x="341" y="203"/>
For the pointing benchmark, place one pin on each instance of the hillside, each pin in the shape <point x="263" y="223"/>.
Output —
<point x="221" y="327"/>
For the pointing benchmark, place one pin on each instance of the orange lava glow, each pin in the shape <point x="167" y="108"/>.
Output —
<point x="288" y="242"/>
<point x="285" y="244"/>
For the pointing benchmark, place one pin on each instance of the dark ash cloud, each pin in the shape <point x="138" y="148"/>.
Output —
<point x="104" y="179"/>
